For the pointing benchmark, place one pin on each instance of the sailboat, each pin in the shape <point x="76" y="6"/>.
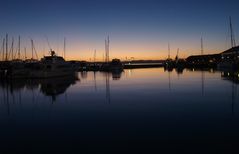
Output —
<point x="115" y="65"/>
<point x="169" y="63"/>
<point x="230" y="58"/>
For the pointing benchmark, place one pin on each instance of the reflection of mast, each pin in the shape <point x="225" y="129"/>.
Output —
<point x="203" y="81"/>
<point x="107" y="83"/>
<point x="95" y="81"/>
<point x="6" y="99"/>
<point x="169" y="80"/>
<point x="233" y="97"/>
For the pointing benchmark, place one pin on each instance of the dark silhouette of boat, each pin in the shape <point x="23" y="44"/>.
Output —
<point x="51" y="66"/>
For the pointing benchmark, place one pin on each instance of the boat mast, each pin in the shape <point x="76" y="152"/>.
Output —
<point x="25" y="52"/>
<point x="19" y="47"/>
<point x="12" y="47"/>
<point x="177" y="56"/>
<point x="32" y="48"/>
<point x="3" y="51"/>
<point x="107" y="49"/>
<point x="233" y="43"/>
<point x="202" y="46"/>
<point x="6" y="58"/>
<point x="94" y="56"/>
<point x="168" y="51"/>
<point x="64" y="54"/>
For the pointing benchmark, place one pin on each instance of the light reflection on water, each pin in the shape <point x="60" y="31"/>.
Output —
<point x="108" y="110"/>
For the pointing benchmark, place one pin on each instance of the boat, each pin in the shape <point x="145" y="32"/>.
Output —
<point x="51" y="66"/>
<point x="230" y="58"/>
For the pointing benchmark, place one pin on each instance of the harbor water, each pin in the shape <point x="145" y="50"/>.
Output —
<point x="138" y="110"/>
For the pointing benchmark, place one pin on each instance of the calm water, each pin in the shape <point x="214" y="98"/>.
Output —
<point x="137" y="110"/>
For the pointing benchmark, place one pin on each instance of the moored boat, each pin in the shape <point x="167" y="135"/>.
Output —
<point x="52" y="66"/>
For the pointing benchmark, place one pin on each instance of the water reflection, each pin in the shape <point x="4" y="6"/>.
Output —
<point x="233" y="77"/>
<point x="51" y="87"/>
<point x="112" y="110"/>
<point x="230" y="76"/>
<point x="56" y="86"/>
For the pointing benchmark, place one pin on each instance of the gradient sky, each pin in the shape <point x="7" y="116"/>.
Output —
<point x="137" y="28"/>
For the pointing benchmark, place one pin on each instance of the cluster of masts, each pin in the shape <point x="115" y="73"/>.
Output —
<point x="13" y="53"/>
<point x="107" y="50"/>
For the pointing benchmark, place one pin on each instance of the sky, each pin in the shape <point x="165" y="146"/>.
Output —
<point x="138" y="29"/>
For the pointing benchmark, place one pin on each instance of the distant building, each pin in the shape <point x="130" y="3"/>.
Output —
<point x="203" y="60"/>
<point x="213" y="59"/>
<point x="230" y="54"/>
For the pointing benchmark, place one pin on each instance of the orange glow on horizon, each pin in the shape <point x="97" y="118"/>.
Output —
<point x="120" y="49"/>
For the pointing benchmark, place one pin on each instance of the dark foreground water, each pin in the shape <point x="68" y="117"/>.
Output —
<point x="137" y="111"/>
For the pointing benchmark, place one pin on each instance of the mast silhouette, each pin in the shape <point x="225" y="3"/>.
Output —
<point x="25" y="52"/>
<point x="94" y="56"/>
<point x="12" y="48"/>
<point x="202" y="50"/>
<point x="19" y="47"/>
<point x="107" y="49"/>
<point x="233" y="43"/>
<point x="6" y="54"/>
<point x="168" y="51"/>
<point x="64" y="48"/>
